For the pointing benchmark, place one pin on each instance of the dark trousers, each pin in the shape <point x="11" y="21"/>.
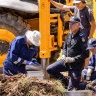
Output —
<point x="82" y="86"/>
<point x="10" y="68"/>
<point x="57" y="67"/>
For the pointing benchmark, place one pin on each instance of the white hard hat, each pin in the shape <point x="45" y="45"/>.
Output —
<point x="78" y="1"/>
<point x="34" y="37"/>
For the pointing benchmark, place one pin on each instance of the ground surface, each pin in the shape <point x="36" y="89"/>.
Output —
<point x="20" y="85"/>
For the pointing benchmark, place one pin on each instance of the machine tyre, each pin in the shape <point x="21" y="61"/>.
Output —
<point x="14" y="24"/>
<point x="10" y="27"/>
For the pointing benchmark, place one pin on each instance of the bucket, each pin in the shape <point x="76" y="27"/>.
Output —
<point x="79" y="93"/>
<point x="36" y="75"/>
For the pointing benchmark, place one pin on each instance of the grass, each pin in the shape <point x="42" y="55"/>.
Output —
<point x="90" y="4"/>
<point x="25" y="82"/>
<point x="60" y="87"/>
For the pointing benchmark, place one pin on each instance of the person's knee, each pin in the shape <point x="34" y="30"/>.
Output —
<point x="49" y="70"/>
<point x="82" y="86"/>
<point x="54" y="68"/>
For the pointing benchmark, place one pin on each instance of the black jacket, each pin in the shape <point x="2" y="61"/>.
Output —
<point x="76" y="47"/>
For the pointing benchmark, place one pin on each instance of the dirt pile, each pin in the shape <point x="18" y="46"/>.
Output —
<point x="20" y="85"/>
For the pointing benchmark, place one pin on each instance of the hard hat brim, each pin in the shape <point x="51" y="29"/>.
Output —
<point x="76" y="1"/>
<point x="33" y="42"/>
<point x="90" y="47"/>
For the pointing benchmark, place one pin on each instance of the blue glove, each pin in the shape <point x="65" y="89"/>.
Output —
<point x="29" y="63"/>
<point x="35" y="62"/>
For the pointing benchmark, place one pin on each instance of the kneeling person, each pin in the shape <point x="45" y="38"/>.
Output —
<point x="90" y="72"/>
<point x="73" y="56"/>
<point x="22" y="51"/>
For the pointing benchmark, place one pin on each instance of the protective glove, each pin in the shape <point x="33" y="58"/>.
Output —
<point x="63" y="58"/>
<point x="35" y="62"/>
<point x="69" y="60"/>
<point x="88" y="76"/>
<point x="29" y="63"/>
<point x="94" y="82"/>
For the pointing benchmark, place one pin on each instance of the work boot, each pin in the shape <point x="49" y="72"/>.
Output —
<point x="65" y="83"/>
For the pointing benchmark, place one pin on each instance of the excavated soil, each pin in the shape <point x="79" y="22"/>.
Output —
<point x="20" y="85"/>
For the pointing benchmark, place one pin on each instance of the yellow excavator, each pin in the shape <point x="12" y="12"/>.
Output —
<point x="17" y="16"/>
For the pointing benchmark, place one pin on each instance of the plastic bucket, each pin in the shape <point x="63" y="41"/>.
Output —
<point x="36" y="74"/>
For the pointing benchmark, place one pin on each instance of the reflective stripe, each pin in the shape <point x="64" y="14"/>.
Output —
<point x="30" y="63"/>
<point x="18" y="60"/>
<point x="33" y="59"/>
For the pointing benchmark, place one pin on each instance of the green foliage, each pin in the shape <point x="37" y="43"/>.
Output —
<point x="32" y="93"/>
<point x="26" y="82"/>
<point x="90" y="4"/>
<point x="60" y="87"/>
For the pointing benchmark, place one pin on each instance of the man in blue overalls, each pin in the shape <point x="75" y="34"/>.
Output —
<point x="89" y="74"/>
<point x="73" y="56"/>
<point x="22" y="51"/>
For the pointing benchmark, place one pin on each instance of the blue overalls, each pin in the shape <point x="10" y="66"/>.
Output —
<point x="18" y="52"/>
<point x="92" y="65"/>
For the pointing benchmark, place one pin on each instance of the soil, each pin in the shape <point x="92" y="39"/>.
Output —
<point x="20" y="85"/>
